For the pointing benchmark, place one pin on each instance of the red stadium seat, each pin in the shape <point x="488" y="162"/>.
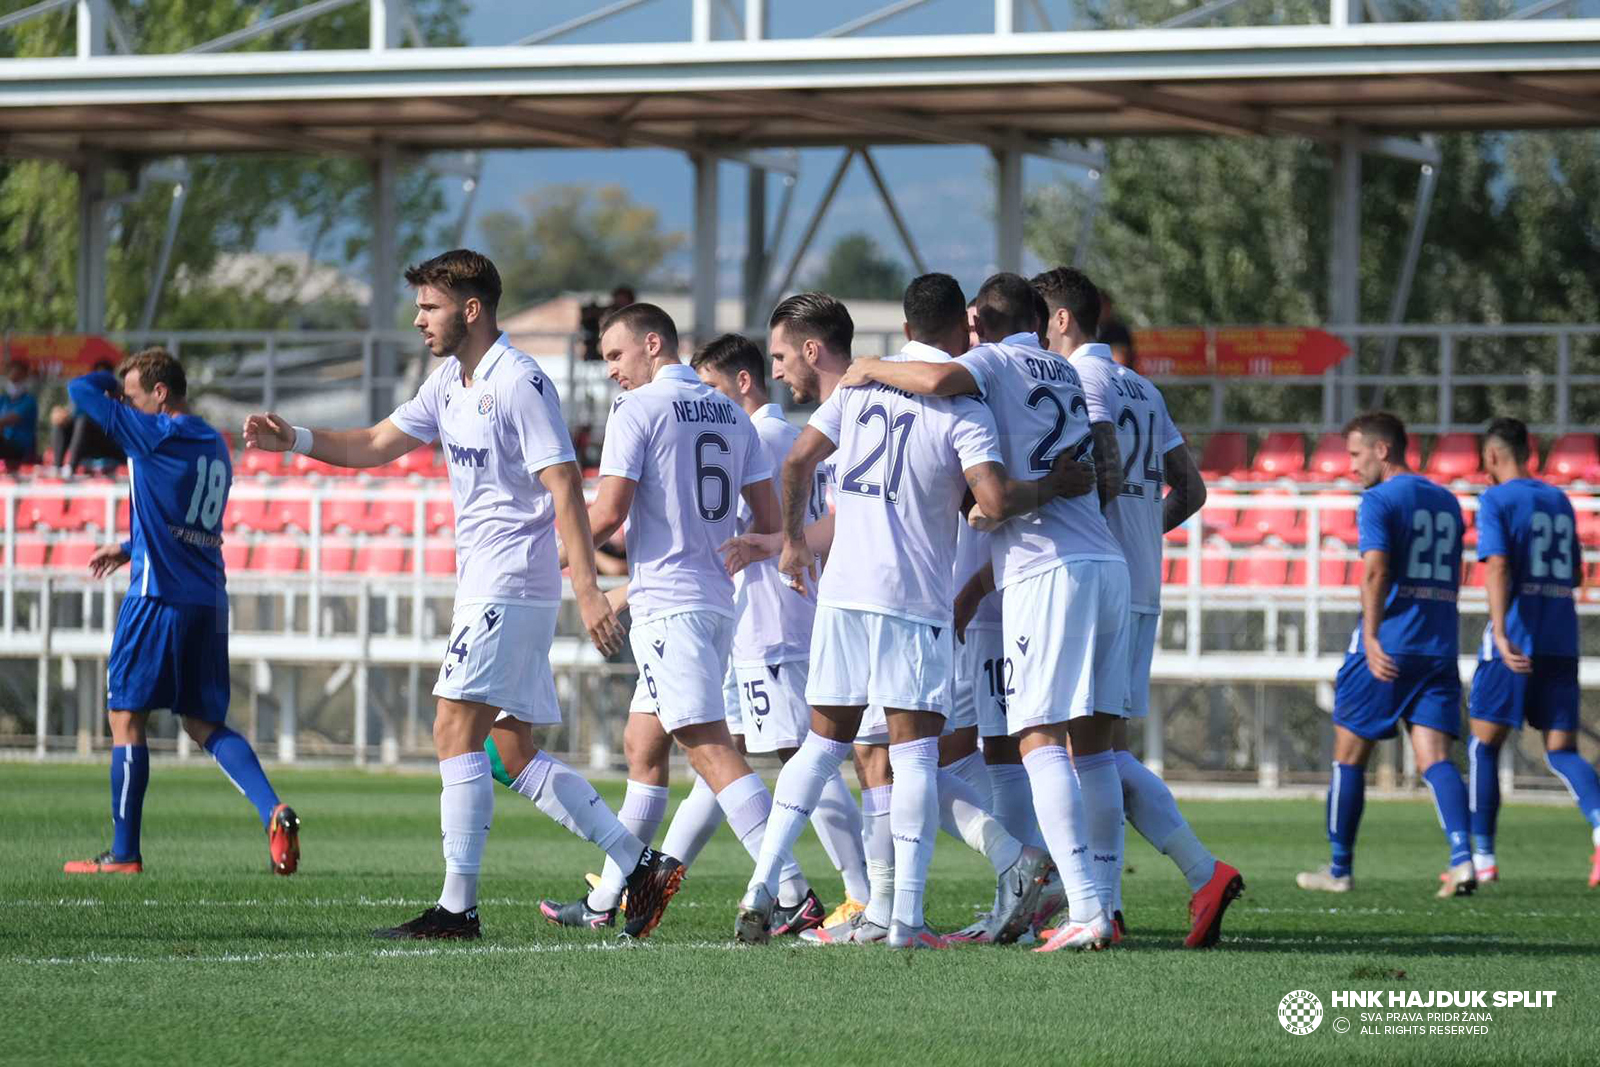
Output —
<point x="278" y="554"/>
<point x="124" y="515"/>
<point x="1533" y="453"/>
<point x="258" y="462"/>
<point x="235" y="554"/>
<point x="1330" y="460"/>
<point x="1476" y="571"/>
<point x="30" y="552"/>
<point x="1589" y="529"/>
<point x="1571" y="457"/>
<point x="419" y="461"/>
<point x="1225" y="454"/>
<point x="398" y="516"/>
<point x="338" y="556"/>
<point x="1334" y="571"/>
<point x="280" y="515"/>
<point x="47" y="511"/>
<point x="1282" y="455"/>
<point x="84" y="512"/>
<point x="1469" y="536"/>
<point x="1263" y="569"/>
<point x="349" y="513"/>
<point x="72" y="555"/>
<point x="304" y="467"/>
<point x="1213" y="570"/>
<point x="1255" y="525"/>
<point x="1339" y="523"/>
<point x="382" y="557"/>
<point x="439" y="559"/>
<point x="1455" y="455"/>
<point x="1413" y="451"/>
<point x="440" y="515"/>
<point x="388" y="470"/>
<point x="244" y="514"/>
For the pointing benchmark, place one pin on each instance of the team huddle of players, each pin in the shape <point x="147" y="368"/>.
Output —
<point x="971" y="621"/>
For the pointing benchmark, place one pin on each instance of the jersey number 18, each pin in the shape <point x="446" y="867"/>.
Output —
<point x="210" y="490"/>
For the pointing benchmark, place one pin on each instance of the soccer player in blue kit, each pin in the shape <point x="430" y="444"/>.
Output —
<point x="170" y="649"/>
<point x="1401" y="664"/>
<point x="1528" y="663"/>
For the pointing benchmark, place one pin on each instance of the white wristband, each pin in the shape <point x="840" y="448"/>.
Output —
<point x="302" y="441"/>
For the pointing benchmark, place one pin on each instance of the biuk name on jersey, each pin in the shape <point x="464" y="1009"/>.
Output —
<point x="1039" y="412"/>
<point x="1145" y="434"/>
<point x="899" y="467"/>
<point x="773" y="621"/>
<point x="498" y="432"/>
<point x="690" y="452"/>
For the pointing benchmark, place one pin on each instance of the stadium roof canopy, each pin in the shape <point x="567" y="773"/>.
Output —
<point x="1003" y="90"/>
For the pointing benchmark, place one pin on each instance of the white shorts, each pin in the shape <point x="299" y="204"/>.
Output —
<point x="1143" y="629"/>
<point x="498" y="653"/>
<point x="978" y="699"/>
<point x="772" y="704"/>
<point x="1067" y="643"/>
<point x="864" y="657"/>
<point x="874" y="728"/>
<point x="730" y="703"/>
<point x="682" y="662"/>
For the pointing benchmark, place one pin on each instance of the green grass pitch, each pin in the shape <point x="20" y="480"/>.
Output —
<point x="206" y="958"/>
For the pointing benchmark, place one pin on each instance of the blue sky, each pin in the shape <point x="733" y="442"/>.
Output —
<point x="945" y="193"/>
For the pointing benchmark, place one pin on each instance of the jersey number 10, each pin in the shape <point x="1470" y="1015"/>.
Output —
<point x="210" y="491"/>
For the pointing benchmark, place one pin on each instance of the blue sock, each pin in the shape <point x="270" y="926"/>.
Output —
<point x="1450" y="800"/>
<point x="1582" y="782"/>
<point x="130" y="773"/>
<point x="1483" y="767"/>
<point x="238" y="761"/>
<point x="1347" y="795"/>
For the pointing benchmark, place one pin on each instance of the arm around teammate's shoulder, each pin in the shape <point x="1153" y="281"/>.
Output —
<point x="912" y="376"/>
<point x="372" y="447"/>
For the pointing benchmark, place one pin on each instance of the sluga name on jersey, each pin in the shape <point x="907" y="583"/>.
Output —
<point x="704" y="411"/>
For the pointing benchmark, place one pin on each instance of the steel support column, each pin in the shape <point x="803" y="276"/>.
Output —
<point x="93" y="18"/>
<point x="1008" y="228"/>
<point x="385" y="267"/>
<point x="93" y="246"/>
<point x="1344" y="259"/>
<point x="704" y="283"/>
<point x="755" y="20"/>
<point x="755" y="247"/>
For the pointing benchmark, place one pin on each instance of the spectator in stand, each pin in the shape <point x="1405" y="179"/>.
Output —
<point x="622" y="296"/>
<point x="19" y="417"/>
<point x="78" y="441"/>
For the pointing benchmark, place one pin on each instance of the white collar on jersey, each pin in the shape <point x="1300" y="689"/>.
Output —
<point x="491" y="357"/>
<point x="769" y="411"/>
<point x="1025" y="339"/>
<point x="678" y="372"/>
<point x="923" y="353"/>
<point x="1094" y="350"/>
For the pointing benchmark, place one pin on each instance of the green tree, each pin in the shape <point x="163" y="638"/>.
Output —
<point x="232" y="199"/>
<point x="576" y="237"/>
<point x="857" y="267"/>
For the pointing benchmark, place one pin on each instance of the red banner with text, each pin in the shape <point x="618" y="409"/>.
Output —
<point x="1255" y="352"/>
<point x="61" y="355"/>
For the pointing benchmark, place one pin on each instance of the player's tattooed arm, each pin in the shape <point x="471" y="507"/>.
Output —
<point x="998" y="497"/>
<point x="1374" y="591"/>
<point x="565" y="483"/>
<point x="372" y="447"/>
<point x="1187" y="485"/>
<point x="1107" y="461"/>
<point x="1498" y="585"/>
<point x="912" y="376"/>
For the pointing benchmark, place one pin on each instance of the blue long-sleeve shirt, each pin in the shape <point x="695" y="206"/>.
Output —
<point x="24" y="433"/>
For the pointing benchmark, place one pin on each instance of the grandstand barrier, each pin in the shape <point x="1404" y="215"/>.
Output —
<point x="340" y="590"/>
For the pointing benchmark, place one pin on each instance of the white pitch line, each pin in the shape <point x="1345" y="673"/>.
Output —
<point x="290" y="902"/>
<point x="96" y="959"/>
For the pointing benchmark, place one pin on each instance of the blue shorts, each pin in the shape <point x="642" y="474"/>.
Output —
<point x="168" y="655"/>
<point x="1427" y="693"/>
<point x="1547" y="699"/>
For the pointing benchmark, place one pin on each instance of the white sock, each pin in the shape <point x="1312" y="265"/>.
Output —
<point x="693" y="824"/>
<point x="1102" y="807"/>
<point x="800" y="786"/>
<point x="914" y="819"/>
<point x="961" y="815"/>
<point x="466" y="805"/>
<point x="1482" y="861"/>
<point x="878" y="841"/>
<point x="1154" y="813"/>
<point x="1057" y="799"/>
<point x="972" y="769"/>
<point x="568" y="798"/>
<point x="643" y="808"/>
<point x="837" y="821"/>
<point x="1013" y="802"/>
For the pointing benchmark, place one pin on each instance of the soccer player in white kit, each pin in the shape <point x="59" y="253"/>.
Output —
<point x="1123" y="402"/>
<point x="882" y="633"/>
<point x="765" y="691"/>
<point x="515" y="484"/>
<point x="1066" y="598"/>
<point x="676" y="459"/>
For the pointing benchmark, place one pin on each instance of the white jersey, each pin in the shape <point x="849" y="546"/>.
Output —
<point x="691" y="452"/>
<point x="498" y="432"/>
<point x="1040" y="411"/>
<point x="899" y="488"/>
<point x="773" y="622"/>
<point x="973" y="553"/>
<point x="1145" y="434"/>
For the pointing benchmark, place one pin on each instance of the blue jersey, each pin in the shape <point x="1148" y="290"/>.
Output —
<point x="1419" y="525"/>
<point x="1533" y="526"/>
<point x="180" y="474"/>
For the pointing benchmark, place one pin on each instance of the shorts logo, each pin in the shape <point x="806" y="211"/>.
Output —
<point x="448" y="667"/>
<point x="772" y="668"/>
<point x="490" y="617"/>
<point x="1022" y="643"/>
<point x="538" y="383"/>
<point x="937" y="630"/>
<point x="1300" y="1012"/>
<point x="485" y="403"/>
<point x="660" y="647"/>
